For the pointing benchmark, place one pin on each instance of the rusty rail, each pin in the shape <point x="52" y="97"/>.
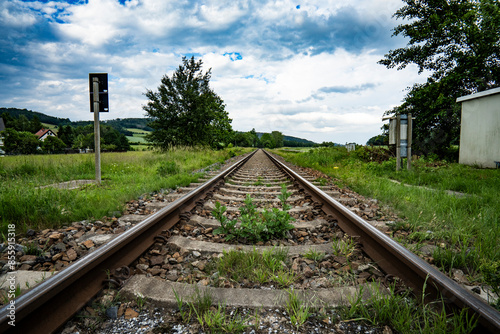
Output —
<point x="396" y="260"/>
<point x="51" y="303"/>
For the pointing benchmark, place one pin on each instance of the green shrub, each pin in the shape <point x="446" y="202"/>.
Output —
<point x="372" y="153"/>
<point x="168" y="168"/>
<point x="491" y="273"/>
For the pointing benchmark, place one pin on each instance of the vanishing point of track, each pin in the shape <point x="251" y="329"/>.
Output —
<point x="50" y="304"/>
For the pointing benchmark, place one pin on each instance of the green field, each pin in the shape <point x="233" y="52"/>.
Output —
<point x="138" y="137"/>
<point x="465" y="227"/>
<point x="125" y="176"/>
<point x="51" y="127"/>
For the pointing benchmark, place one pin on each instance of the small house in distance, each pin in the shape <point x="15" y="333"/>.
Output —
<point x="480" y="129"/>
<point x="2" y="128"/>
<point x="44" y="133"/>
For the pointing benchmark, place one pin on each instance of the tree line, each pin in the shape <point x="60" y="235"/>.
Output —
<point x="19" y="137"/>
<point x="266" y="140"/>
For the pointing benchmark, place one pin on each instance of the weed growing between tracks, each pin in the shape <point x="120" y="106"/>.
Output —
<point x="256" y="226"/>
<point x="125" y="176"/>
<point x="465" y="226"/>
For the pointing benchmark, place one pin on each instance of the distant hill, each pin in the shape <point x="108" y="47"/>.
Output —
<point x="122" y="124"/>
<point x="304" y="142"/>
<point x="119" y="124"/>
<point x="14" y="112"/>
<point x="293" y="141"/>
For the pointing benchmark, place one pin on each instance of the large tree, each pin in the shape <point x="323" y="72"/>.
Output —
<point x="20" y="142"/>
<point x="186" y="111"/>
<point x="458" y="41"/>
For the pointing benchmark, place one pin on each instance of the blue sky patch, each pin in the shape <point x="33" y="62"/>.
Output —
<point x="234" y="56"/>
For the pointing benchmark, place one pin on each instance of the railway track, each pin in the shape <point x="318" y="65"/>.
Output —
<point x="171" y="250"/>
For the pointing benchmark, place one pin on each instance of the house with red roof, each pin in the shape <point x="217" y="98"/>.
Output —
<point x="2" y="128"/>
<point x="42" y="134"/>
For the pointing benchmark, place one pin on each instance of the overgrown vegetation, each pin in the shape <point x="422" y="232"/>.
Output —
<point x="255" y="226"/>
<point x="125" y="176"/>
<point x="393" y="309"/>
<point x="463" y="226"/>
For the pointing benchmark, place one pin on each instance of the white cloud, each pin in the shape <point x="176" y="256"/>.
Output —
<point x="310" y="72"/>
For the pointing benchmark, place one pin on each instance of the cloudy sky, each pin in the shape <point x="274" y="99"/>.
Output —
<point x="305" y="68"/>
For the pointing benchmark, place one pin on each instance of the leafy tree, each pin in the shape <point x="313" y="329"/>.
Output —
<point x="437" y="124"/>
<point x="378" y="140"/>
<point x="255" y="138"/>
<point x="327" y="144"/>
<point x="267" y="141"/>
<point x="22" y="124"/>
<point x="458" y="41"/>
<point x="111" y="139"/>
<point x="243" y="139"/>
<point x="83" y="141"/>
<point x="277" y="139"/>
<point x="66" y="134"/>
<point x="20" y="142"/>
<point x="52" y="144"/>
<point x="450" y="37"/>
<point x="35" y="124"/>
<point x="8" y="120"/>
<point x="186" y="111"/>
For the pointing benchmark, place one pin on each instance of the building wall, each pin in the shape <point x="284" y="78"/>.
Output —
<point x="480" y="129"/>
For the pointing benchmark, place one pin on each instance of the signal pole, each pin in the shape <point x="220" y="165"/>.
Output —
<point x="97" y="132"/>
<point x="98" y="88"/>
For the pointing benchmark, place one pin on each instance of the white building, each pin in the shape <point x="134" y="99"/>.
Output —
<point x="480" y="129"/>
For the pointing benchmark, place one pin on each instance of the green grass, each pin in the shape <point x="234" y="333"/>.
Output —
<point x="138" y="137"/>
<point x="469" y="225"/>
<point x="258" y="267"/>
<point x="395" y="309"/>
<point x="52" y="127"/>
<point x="125" y="176"/>
<point x="138" y="131"/>
<point x="297" y="310"/>
<point x="314" y="255"/>
<point x="213" y="319"/>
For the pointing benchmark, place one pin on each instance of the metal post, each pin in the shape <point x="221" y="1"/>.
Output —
<point x="410" y="124"/>
<point x="398" y="142"/>
<point x="97" y="135"/>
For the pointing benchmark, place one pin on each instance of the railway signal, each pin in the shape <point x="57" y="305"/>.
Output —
<point x="99" y="102"/>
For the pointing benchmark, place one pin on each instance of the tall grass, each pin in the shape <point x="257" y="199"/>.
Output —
<point x="125" y="176"/>
<point x="469" y="224"/>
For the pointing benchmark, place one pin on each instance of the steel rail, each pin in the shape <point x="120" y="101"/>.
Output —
<point x="396" y="260"/>
<point x="54" y="301"/>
